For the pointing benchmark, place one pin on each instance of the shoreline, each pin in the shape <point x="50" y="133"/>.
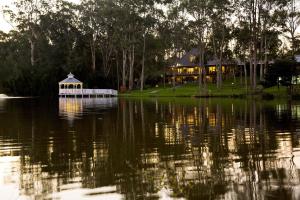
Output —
<point x="192" y="91"/>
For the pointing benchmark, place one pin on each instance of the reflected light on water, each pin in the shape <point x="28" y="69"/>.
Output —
<point x="9" y="177"/>
<point x="74" y="108"/>
<point x="103" y="193"/>
<point x="141" y="149"/>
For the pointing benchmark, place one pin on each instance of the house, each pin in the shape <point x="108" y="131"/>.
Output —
<point x="187" y="68"/>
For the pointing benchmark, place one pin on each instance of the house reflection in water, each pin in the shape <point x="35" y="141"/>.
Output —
<point x="239" y="149"/>
<point x="73" y="108"/>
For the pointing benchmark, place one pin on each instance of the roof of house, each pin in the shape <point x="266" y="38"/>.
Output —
<point x="70" y="79"/>
<point x="215" y="62"/>
<point x="186" y="61"/>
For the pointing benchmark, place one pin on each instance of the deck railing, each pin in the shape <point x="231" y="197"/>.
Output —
<point x="100" y="92"/>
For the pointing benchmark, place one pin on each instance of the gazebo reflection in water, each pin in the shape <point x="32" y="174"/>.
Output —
<point x="73" y="108"/>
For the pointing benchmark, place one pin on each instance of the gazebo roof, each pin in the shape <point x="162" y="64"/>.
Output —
<point x="70" y="80"/>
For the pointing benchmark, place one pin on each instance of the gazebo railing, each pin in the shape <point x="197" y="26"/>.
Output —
<point x="109" y="92"/>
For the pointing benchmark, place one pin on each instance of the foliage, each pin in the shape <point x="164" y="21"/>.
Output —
<point x="281" y="72"/>
<point x="113" y="43"/>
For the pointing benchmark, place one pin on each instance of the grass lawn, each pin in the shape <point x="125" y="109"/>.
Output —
<point x="280" y="91"/>
<point x="192" y="90"/>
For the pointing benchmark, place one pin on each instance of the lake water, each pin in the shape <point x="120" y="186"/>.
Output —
<point x="149" y="149"/>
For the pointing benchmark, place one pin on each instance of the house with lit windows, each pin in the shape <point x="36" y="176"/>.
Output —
<point x="187" y="69"/>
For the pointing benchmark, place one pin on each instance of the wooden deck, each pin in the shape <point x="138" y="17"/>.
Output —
<point x="87" y="93"/>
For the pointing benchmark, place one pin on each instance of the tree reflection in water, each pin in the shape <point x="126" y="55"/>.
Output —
<point x="149" y="149"/>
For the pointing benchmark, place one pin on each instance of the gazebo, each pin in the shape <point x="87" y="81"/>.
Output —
<point x="71" y="87"/>
<point x="70" y="83"/>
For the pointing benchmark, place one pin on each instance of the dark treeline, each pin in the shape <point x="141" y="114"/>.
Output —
<point x="130" y="43"/>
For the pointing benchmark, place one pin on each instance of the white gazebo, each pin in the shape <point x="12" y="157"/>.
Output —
<point x="70" y="83"/>
<point x="73" y="88"/>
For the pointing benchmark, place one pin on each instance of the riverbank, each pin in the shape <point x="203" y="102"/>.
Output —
<point x="192" y="90"/>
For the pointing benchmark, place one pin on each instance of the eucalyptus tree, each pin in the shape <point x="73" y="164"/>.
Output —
<point x="108" y="35"/>
<point x="220" y="21"/>
<point x="62" y="35"/>
<point x="26" y="16"/>
<point x="128" y="23"/>
<point x="150" y="18"/>
<point x="259" y="17"/>
<point x="174" y="30"/>
<point x="133" y="25"/>
<point x="90" y="17"/>
<point x="292" y="25"/>
<point x="198" y="12"/>
<point x="241" y="37"/>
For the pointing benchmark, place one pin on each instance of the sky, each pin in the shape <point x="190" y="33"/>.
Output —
<point x="4" y="26"/>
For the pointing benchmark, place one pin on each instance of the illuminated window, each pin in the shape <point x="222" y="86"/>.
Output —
<point x="212" y="69"/>
<point x="223" y="69"/>
<point x="192" y="58"/>
<point x="190" y="70"/>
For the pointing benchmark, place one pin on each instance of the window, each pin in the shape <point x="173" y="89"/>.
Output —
<point x="192" y="58"/>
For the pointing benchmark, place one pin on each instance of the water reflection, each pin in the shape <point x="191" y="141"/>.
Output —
<point x="74" y="108"/>
<point x="2" y="101"/>
<point x="149" y="149"/>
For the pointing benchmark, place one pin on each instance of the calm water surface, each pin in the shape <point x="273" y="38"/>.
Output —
<point x="149" y="149"/>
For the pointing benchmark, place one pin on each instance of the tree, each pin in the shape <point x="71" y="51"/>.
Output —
<point x="27" y="17"/>
<point x="199" y="11"/>
<point x="292" y="24"/>
<point x="258" y="16"/>
<point x="220" y="26"/>
<point x="281" y="72"/>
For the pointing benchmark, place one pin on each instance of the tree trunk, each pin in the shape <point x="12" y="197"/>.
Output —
<point x="204" y="70"/>
<point x="32" y="51"/>
<point x="246" y="76"/>
<point x="124" y="69"/>
<point x="266" y="58"/>
<point x="254" y="67"/>
<point x="251" y="71"/>
<point x="32" y="40"/>
<point x="131" y="65"/>
<point x="221" y="58"/>
<point x="220" y="71"/>
<point x="93" y="53"/>
<point x="143" y="64"/>
<point x="215" y="58"/>
<point x="241" y="76"/>
<point x="118" y="75"/>
<point x="261" y="66"/>
<point x="200" y="67"/>
<point x="106" y="58"/>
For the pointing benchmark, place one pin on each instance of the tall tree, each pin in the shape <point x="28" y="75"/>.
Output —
<point x="199" y="21"/>
<point x="220" y="14"/>
<point x="292" y="25"/>
<point x="27" y="17"/>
